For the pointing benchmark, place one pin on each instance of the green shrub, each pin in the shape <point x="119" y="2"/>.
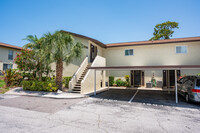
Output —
<point x="120" y="82"/>
<point x="2" y="83"/>
<point x="153" y="82"/>
<point x="66" y="81"/>
<point x="127" y="77"/>
<point x="12" y="77"/>
<point x="111" y="80"/>
<point x="48" y="78"/>
<point x="39" y="85"/>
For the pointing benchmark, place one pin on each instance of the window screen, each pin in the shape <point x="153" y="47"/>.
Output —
<point x="128" y="52"/>
<point x="181" y="49"/>
<point x="10" y="55"/>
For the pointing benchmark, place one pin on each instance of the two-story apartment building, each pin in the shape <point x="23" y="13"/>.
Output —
<point x="141" y="60"/>
<point x="142" y="56"/>
<point x="7" y="55"/>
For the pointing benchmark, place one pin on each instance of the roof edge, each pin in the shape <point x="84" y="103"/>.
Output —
<point x="10" y="46"/>
<point x="85" y="37"/>
<point x="153" y="42"/>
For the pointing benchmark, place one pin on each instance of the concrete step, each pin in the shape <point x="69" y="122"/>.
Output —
<point x="76" y="89"/>
<point x="75" y="92"/>
<point x="77" y="86"/>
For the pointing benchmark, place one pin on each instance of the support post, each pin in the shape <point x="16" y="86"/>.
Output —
<point x="176" y="91"/>
<point x="108" y="80"/>
<point x="95" y="82"/>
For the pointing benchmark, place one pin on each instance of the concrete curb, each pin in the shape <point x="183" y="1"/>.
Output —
<point x="55" y="95"/>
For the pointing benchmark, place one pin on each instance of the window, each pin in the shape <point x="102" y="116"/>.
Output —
<point x="181" y="49"/>
<point x="10" y="55"/>
<point x="128" y="52"/>
<point x="7" y="66"/>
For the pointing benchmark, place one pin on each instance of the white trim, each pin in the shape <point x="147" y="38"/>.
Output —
<point x="181" y="46"/>
<point x="95" y="83"/>
<point x="176" y="91"/>
<point x="133" y="96"/>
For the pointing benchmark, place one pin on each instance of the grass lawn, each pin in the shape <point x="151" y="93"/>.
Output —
<point x="2" y="83"/>
<point x="3" y="90"/>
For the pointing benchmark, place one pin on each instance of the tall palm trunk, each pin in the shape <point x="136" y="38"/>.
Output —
<point x="59" y="72"/>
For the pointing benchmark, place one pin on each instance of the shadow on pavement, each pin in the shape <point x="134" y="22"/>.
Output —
<point x="157" y="97"/>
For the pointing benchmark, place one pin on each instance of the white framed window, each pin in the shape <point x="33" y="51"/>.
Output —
<point x="129" y="52"/>
<point x="181" y="49"/>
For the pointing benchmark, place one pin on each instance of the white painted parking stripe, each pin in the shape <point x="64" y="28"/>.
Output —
<point x="133" y="96"/>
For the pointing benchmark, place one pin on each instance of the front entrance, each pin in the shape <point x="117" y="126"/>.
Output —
<point x="137" y="78"/>
<point x="169" y="78"/>
<point x="93" y="52"/>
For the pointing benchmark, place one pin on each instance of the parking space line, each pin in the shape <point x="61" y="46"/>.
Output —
<point x="133" y="96"/>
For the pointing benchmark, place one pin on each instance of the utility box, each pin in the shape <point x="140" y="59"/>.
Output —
<point x="149" y="85"/>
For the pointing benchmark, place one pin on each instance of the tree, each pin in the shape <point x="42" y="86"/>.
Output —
<point x="60" y="47"/>
<point x="31" y="58"/>
<point x="164" y="30"/>
<point x="36" y="47"/>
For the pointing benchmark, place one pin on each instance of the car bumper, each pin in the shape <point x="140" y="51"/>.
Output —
<point x="195" y="97"/>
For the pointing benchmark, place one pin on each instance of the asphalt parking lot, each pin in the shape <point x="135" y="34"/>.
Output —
<point x="109" y="111"/>
<point x="157" y="97"/>
<point x="47" y="105"/>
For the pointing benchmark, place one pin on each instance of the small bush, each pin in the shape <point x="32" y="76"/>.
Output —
<point x="127" y="77"/>
<point x="120" y="82"/>
<point x="2" y="83"/>
<point x="12" y="77"/>
<point x="66" y="81"/>
<point x="111" y="80"/>
<point x="48" y="78"/>
<point x="39" y="85"/>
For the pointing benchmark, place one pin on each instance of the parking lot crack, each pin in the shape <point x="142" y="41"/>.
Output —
<point x="159" y="124"/>
<point x="99" y="121"/>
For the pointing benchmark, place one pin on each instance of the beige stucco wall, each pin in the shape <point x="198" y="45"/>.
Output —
<point x="152" y="55"/>
<point x="87" y="84"/>
<point x="4" y="57"/>
<point x="161" y="54"/>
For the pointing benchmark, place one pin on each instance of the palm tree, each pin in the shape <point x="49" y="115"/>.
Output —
<point x="60" y="47"/>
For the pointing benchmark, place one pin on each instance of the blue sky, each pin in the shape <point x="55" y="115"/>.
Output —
<point x="109" y="21"/>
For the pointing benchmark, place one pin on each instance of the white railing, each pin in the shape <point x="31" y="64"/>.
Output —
<point x="87" y="84"/>
<point x="78" y="74"/>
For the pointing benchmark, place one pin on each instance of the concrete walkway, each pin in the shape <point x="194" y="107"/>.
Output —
<point x="57" y="95"/>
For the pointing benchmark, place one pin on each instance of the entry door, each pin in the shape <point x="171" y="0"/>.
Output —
<point x="137" y="78"/>
<point x="93" y="52"/>
<point x="169" y="77"/>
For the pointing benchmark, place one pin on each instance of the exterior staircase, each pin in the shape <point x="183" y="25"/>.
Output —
<point x="77" y="87"/>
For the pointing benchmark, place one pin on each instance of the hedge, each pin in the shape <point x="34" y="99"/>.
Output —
<point x="66" y="81"/>
<point x="111" y="80"/>
<point x="39" y="85"/>
<point x="120" y="82"/>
